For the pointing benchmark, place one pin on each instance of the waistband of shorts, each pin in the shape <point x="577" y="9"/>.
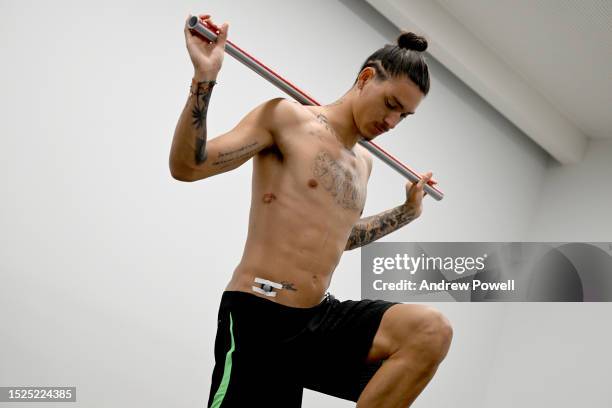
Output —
<point x="252" y="300"/>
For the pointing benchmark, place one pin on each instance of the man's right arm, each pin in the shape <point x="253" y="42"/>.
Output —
<point x="192" y="157"/>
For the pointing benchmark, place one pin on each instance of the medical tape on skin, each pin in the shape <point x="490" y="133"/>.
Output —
<point x="268" y="283"/>
<point x="263" y="292"/>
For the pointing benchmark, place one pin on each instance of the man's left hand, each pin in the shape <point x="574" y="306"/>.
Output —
<point x="415" y="193"/>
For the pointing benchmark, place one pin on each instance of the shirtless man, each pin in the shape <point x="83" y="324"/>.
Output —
<point x="278" y="330"/>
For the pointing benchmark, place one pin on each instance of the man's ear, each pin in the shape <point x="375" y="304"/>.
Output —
<point x="364" y="76"/>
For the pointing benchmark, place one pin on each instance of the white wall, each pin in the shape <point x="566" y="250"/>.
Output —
<point x="576" y="201"/>
<point x="557" y="354"/>
<point x="552" y="355"/>
<point x="112" y="271"/>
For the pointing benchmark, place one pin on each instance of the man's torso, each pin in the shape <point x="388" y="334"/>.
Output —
<point x="307" y="192"/>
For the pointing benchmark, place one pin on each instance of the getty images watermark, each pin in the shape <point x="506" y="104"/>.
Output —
<point x="487" y="271"/>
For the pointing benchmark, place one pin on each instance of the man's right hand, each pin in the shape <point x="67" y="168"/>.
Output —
<point x="206" y="56"/>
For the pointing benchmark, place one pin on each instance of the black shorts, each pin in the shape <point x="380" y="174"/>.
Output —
<point x="266" y="353"/>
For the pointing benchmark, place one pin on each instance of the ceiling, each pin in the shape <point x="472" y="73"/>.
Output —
<point x="544" y="64"/>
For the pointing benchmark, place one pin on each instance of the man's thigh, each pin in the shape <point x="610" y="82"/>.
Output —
<point x="335" y="357"/>
<point x="344" y="380"/>
<point x="252" y="381"/>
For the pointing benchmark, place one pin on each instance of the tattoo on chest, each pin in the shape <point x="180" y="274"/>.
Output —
<point x="339" y="180"/>
<point x="323" y="120"/>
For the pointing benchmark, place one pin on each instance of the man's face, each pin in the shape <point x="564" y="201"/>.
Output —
<point x="381" y="105"/>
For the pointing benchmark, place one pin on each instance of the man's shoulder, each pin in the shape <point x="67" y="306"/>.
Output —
<point x="365" y="155"/>
<point x="284" y="117"/>
<point x="283" y="111"/>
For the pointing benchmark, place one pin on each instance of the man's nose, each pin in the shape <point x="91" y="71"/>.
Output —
<point x="392" y="120"/>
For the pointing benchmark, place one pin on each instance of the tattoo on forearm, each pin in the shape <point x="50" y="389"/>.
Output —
<point x="370" y="229"/>
<point x="202" y="97"/>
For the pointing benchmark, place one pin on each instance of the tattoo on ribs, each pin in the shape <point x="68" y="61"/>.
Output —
<point x="198" y="113"/>
<point x="339" y="180"/>
<point x="370" y="229"/>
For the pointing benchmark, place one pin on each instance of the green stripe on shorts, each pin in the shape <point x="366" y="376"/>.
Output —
<point x="227" y="371"/>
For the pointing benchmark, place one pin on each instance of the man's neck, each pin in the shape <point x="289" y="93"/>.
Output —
<point x="339" y="116"/>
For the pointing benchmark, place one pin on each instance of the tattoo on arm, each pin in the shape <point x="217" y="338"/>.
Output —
<point x="370" y="229"/>
<point x="227" y="159"/>
<point x="202" y="97"/>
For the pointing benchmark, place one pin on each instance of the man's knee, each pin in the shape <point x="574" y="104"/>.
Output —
<point x="432" y="337"/>
<point x="438" y="334"/>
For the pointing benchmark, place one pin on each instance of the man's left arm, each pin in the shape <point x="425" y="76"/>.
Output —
<point x="369" y="229"/>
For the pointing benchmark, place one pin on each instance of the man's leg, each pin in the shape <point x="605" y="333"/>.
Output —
<point x="413" y="340"/>
<point x="247" y="369"/>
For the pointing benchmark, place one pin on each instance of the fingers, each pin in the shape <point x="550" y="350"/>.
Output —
<point x="222" y="37"/>
<point x="220" y="31"/>
<point x="427" y="178"/>
<point x="207" y="21"/>
<point x="424" y="179"/>
<point x="418" y="187"/>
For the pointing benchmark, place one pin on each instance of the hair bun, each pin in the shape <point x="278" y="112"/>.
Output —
<point x="411" y="41"/>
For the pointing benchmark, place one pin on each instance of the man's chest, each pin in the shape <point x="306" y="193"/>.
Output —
<point x="310" y="158"/>
<point x="341" y="177"/>
<point x="319" y="166"/>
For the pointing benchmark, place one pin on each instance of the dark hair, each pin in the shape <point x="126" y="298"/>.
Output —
<point x="402" y="59"/>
